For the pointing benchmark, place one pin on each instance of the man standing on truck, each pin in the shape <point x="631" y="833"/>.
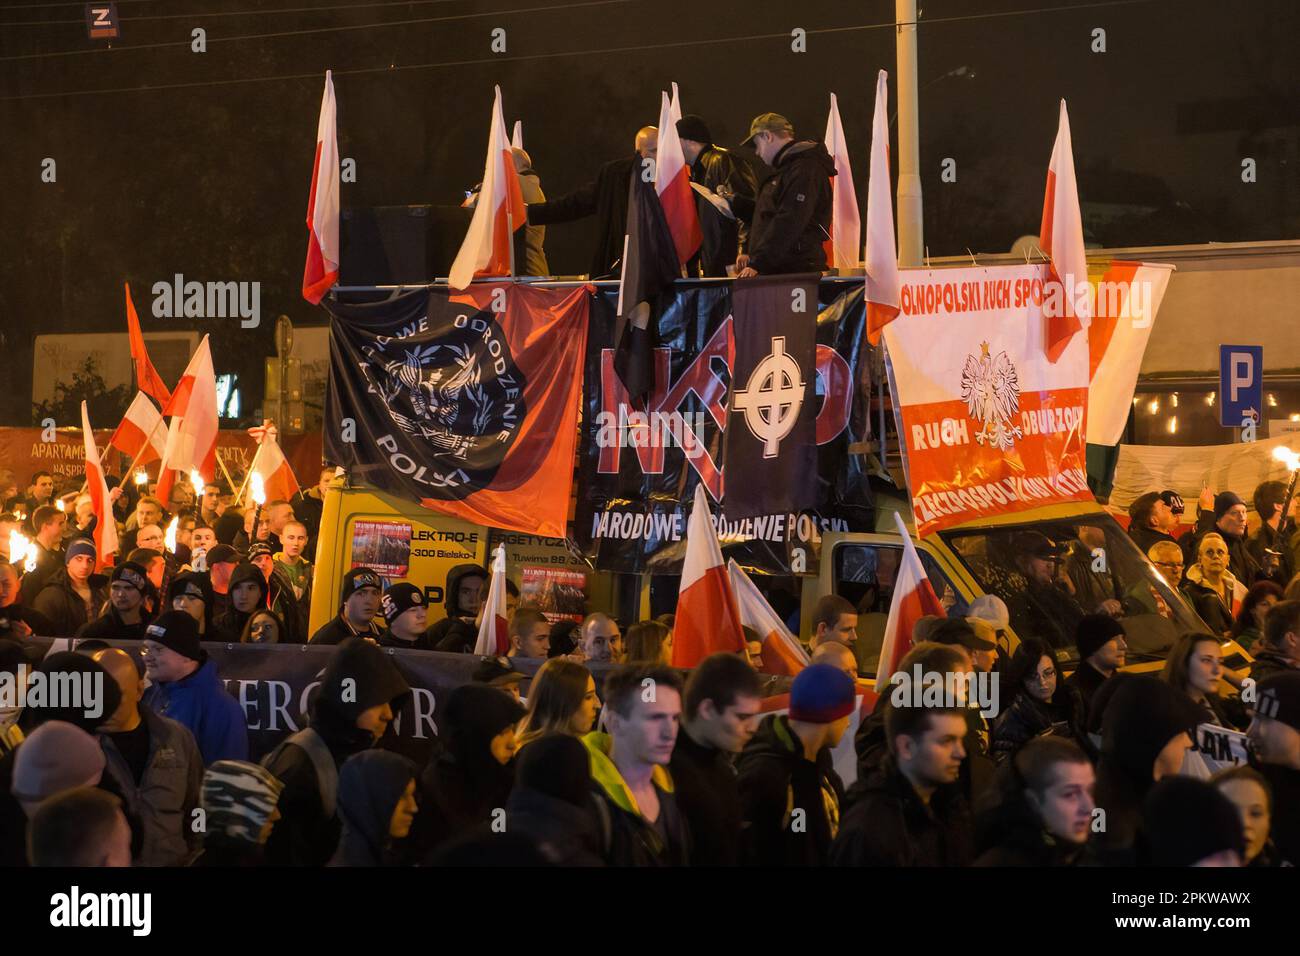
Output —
<point x="462" y="598"/>
<point x="359" y="604"/>
<point x="1046" y="607"/>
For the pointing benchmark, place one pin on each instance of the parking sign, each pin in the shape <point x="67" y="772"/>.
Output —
<point x="1241" y="383"/>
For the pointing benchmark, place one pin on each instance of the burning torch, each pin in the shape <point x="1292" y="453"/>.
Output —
<point x="169" y="539"/>
<point x="1292" y="462"/>
<point x="140" y="478"/>
<point x="196" y="482"/>
<point x="21" y="549"/>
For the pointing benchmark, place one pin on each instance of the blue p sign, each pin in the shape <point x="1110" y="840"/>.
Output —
<point x="1241" y="383"/>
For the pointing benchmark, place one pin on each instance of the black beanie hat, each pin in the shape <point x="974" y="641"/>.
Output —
<point x="558" y="766"/>
<point x="1184" y="820"/>
<point x="1093" y="632"/>
<point x="694" y="128"/>
<point x="399" y="599"/>
<point x="134" y="575"/>
<point x="1224" y="501"/>
<point x="177" y="631"/>
<point x="359" y="578"/>
<point x="1279" y="698"/>
<point x="188" y="581"/>
<point x="1144" y="714"/>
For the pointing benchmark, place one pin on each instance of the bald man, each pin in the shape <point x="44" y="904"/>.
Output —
<point x="602" y="642"/>
<point x="838" y="656"/>
<point x="605" y="198"/>
<point x="156" y="765"/>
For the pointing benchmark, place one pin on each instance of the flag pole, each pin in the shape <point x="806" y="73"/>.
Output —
<point x="510" y="231"/>
<point x="252" y="465"/>
<point x="222" y="465"/>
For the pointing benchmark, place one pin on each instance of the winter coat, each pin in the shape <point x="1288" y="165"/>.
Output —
<point x="889" y="825"/>
<point x="633" y="840"/>
<point x="1207" y="603"/>
<point x="606" y="199"/>
<point x="1086" y="681"/>
<point x="371" y="784"/>
<point x="109" y="627"/>
<point x="339" y="630"/>
<point x="48" y="563"/>
<point x="167" y="792"/>
<point x="308" y="763"/>
<point x="40" y="625"/>
<point x="64" y="607"/>
<point x="722" y="239"/>
<point x="775" y="779"/>
<point x="708" y="793"/>
<point x="212" y="715"/>
<point x="1267" y="663"/>
<point x="1020" y="840"/>
<point x="1285" y="784"/>
<point x="792" y="213"/>
<point x="233" y="621"/>
<point x="565" y="834"/>
<point x="1027" y="718"/>
<point x="454" y="634"/>
<point x="1241" y="562"/>
<point x="535" y="264"/>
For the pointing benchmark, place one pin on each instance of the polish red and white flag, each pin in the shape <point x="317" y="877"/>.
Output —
<point x="1061" y="238"/>
<point x="846" y="224"/>
<point x="708" y="620"/>
<point x="673" y="184"/>
<point x="105" y="526"/>
<point x="142" y="435"/>
<point x="881" y="254"/>
<point x="782" y="652"/>
<point x="913" y="599"/>
<point x="278" y="480"/>
<point x="494" y="627"/>
<point x="322" y="268"/>
<point x="192" y="429"/>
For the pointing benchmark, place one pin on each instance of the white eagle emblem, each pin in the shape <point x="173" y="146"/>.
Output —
<point x="991" y="390"/>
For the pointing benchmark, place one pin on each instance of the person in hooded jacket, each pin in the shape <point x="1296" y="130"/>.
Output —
<point x="791" y="216"/>
<point x="472" y="776"/>
<point x="191" y="592"/>
<point x="1040" y="702"/>
<point x="1146" y="730"/>
<point x="74" y="594"/>
<point x="239" y="801"/>
<point x="247" y="595"/>
<point x="463" y="596"/>
<point x="553" y="804"/>
<point x="1223" y="514"/>
<point x="126" y="614"/>
<point x="1188" y="822"/>
<point x="376" y="806"/>
<point x="345" y="719"/>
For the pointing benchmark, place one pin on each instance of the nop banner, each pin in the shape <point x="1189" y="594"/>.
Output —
<point x="989" y="426"/>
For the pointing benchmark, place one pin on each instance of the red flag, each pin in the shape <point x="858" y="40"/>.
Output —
<point x="913" y="599"/>
<point x="1061" y="238"/>
<point x="493" y="629"/>
<point x="192" y="431"/>
<point x="707" y="618"/>
<point x="105" y="525"/>
<point x="881" y="254"/>
<point x="782" y="652"/>
<point x="673" y="184"/>
<point x="322" y="268"/>
<point x="846" y="224"/>
<point x="499" y="212"/>
<point x="141" y="433"/>
<point x="147" y="378"/>
<point x="277" y="477"/>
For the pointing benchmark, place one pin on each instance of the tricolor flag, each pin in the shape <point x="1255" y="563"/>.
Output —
<point x="192" y="431"/>
<point x="147" y="378"/>
<point x="517" y="137"/>
<point x="673" y="185"/>
<point x="105" y="527"/>
<point x="500" y="211"/>
<point x="846" y="225"/>
<point x="322" y="268"/>
<point x="1061" y="238"/>
<point x="708" y="620"/>
<point x="142" y="436"/>
<point x="881" y="254"/>
<point x="1128" y="295"/>
<point x="913" y="599"/>
<point x="493" y="629"/>
<point x="782" y="652"/>
<point x="277" y="477"/>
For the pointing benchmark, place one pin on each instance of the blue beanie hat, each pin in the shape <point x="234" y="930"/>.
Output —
<point x="80" y="546"/>
<point x="821" y="694"/>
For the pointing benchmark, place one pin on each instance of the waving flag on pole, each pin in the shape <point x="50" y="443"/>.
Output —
<point x="147" y="378"/>
<point x="517" y="137"/>
<point x="707" y="618"/>
<point x="673" y="185"/>
<point x="913" y="599"/>
<point x="105" y="527"/>
<point x="487" y="248"/>
<point x="846" y="225"/>
<point x="881" y="255"/>
<point x="1061" y="238"/>
<point x="141" y="436"/>
<point x="782" y="652"/>
<point x="277" y="477"/>
<point x="493" y="629"/>
<point x="322" y="268"/>
<point x="192" y="431"/>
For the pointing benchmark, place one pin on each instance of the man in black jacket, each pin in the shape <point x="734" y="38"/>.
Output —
<point x="1102" y="651"/>
<point x="1279" y="651"/>
<point x="726" y="176"/>
<point x="76" y="594"/>
<point x="1224" y="513"/>
<point x="463" y="595"/>
<point x="1275" y="735"/>
<point x="606" y="199"/>
<point x="49" y="523"/>
<point x="125" y="616"/>
<point x="357" y="608"/>
<point x="360" y="693"/>
<point x="720" y="715"/>
<point x="792" y="214"/>
<point x="1152" y="517"/>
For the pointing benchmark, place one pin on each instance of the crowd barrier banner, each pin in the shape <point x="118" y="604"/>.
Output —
<point x="1215" y="748"/>
<point x="640" y="462"/>
<point x="989" y="425"/>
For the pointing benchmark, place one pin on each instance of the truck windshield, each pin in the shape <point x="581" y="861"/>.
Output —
<point x="1052" y="573"/>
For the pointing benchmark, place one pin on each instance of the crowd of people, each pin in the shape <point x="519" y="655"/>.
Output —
<point x="607" y="755"/>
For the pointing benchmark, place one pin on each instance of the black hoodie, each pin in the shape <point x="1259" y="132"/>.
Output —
<point x="792" y="214"/>
<point x="889" y="825"/>
<point x="456" y="632"/>
<point x="233" y="621"/>
<point x="371" y="784"/>
<point x="306" y="835"/>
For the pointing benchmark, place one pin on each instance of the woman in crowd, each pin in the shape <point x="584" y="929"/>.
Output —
<point x="1249" y="625"/>
<point x="649" y="642"/>
<point x="562" y="699"/>
<point x="1211" y="588"/>
<point x="1253" y="798"/>
<point x="1195" y="667"/>
<point x="1041" y="702"/>
<point x="263" y="627"/>
<point x="376" y="804"/>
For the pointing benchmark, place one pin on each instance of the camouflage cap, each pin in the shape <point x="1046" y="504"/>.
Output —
<point x="768" y="123"/>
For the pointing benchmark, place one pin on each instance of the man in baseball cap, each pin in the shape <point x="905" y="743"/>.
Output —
<point x="126" y="614"/>
<point x="359" y="603"/>
<point x="1275" y="735"/>
<point x="497" y="672"/>
<point x="792" y="213"/>
<point x="407" y="615"/>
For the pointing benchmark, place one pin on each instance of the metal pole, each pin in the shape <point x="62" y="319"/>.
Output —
<point x="911" y="244"/>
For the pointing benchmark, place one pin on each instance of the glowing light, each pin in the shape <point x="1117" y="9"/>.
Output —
<point x="1287" y="457"/>
<point x="1209" y="399"/>
<point x="141" y="476"/>
<point x="1173" y="399"/>
<point x="258" y="488"/>
<point x="169" y="539"/>
<point x="1153" y="406"/>
<point x="196" y="482"/>
<point x="1294" y="416"/>
<point x="58" y="503"/>
<point x="1172" y="425"/>
<point x="1272" y="400"/>
<point x="21" y="550"/>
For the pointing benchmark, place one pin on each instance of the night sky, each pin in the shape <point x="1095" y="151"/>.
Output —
<point x="210" y="178"/>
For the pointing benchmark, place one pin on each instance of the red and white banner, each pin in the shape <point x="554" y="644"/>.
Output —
<point x="707" y="619"/>
<point x="494" y="625"/>
<point x="322" y="267"/>
<point x="192" y="431"/>
<point x="913" y="599"/>
<point x="990" y="425"/>
<point x="846" y="225"/>
<point x="278" y="480"/>
<point x="1061" y="237"/>
<point x="1128" y="296"/>
<point x="105" y="525"/>
<point x="499" y="212"/>
<point x="142" y="435"/>
<point x="782" y="652"/>
<point x="880" y="258"/>
<point x="673" y="184"/>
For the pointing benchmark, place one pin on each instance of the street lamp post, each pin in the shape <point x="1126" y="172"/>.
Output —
<point x="910" y="234"/>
